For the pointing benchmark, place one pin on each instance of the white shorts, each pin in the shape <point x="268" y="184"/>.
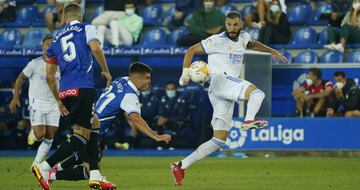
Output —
<point x="224" y="91"/>
<point x="47" y="118"/>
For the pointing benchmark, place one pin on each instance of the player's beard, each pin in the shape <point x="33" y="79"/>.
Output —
<point x="230" y="34"/>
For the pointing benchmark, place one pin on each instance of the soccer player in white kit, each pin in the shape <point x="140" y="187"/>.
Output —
<point x="225" y="57"/>
<point x="44" y="112"/>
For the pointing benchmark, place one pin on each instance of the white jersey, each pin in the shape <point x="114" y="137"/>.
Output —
<point x="225" y="55"/>
<point x="40" y="95"/>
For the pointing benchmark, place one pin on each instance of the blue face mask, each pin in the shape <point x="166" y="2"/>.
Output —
<point x="171" y="93"/>
<point x="275" y="8"/>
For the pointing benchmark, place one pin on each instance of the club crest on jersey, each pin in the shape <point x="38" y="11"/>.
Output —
<point x="208" y="42"/>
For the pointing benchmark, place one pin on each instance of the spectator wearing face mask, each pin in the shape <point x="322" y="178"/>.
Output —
<point x="277" y="28"/>
<point x="125" y="30"/>
<point x="312" y="95"/>
<point x="172" y="114"/>
<point x="204" y="23"/>
<point x="346" y="101"/>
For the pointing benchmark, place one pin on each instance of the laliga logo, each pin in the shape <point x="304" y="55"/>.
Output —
<point x="237" y="137"/>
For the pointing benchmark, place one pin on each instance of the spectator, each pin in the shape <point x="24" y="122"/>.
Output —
<point x="172" y="114"/>
<point x="277" y="28"/>
<point x="258" y="16"/>
<point x="346" y="95"/>
<point x="113" y="9"/>
<point x="124" y="30"/>
<point x="54" y="20"/>
<point x="349" y="32"/>
<point x="204" y="23"/>
<point x="150" y="107"/>
<point x="7" y="11"/>
<point x="339" y="9"/>
<point x="220" y="3"/>
<point x="312" y="95"/>
<point x="182" y="9"/>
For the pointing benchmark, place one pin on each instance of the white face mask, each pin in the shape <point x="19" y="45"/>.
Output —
<point x="356" y="5"/>
<point x="339" y="85"/>
<point x="309" y="82"/>
<point x="275" y="8"/>
<point x="146" y="93"/>
<point x="129" y="12"/>
<point x="171" y="93"/>
<point x="208" y="5"/>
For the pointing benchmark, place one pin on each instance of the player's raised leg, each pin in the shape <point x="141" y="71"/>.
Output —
<point x="255" y="97"/>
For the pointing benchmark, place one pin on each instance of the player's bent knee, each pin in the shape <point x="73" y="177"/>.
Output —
<point x="220" y="128"/>
<point x="84" y="132"/>
<point x="39" y="132"/>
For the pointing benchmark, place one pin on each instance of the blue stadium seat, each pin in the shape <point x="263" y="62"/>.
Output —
<point x="152" y="15"/>
<point x="326" y="8"/>
<point x="302" y="39"/>
<point x="300" y="14"/>
<point x="247" y="10"/>
<point x="331" y="57"/>
<point x="254" y="33"/>
<point x="168" y="16"/>
<point x="10" y="38"/>
<point x="154" y="37"/>
<point x="306" y="57"/>
<point x="24" y="17"/>
<point x="40" y="20"/>
<point x="97" y="12"/>
<point x="354" y="57"/>
<point x="322" y="40"/>
<point x="227" y="8"/>
<point x="33" y="38"/>
<point x="176" y="34"/>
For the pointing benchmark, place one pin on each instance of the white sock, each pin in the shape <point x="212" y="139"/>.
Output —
<point x="254" y="103"/>
<point x="95" y="175"/>
<point x="45" y="166"/>
<point x="43" y="150"/>
<point x="202" y="151"/>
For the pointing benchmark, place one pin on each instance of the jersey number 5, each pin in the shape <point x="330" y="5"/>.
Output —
<point x="68" y="45"/>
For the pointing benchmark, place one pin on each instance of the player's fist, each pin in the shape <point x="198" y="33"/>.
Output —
<point x="185" y="78"/>
<point x="108" y="77"/>
<point x="165" y="138"/>
<point x="63" y="110"/>
<point x="13" y="104"/>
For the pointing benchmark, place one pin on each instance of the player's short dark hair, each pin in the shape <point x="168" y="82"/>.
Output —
<point x="316" y="71"/>
<point x="233" y="15"/>
<point x="72" y="10"/>
<point x="138" y="67"/>
<point x="339" y="73"/>
<point x="129" y="2"/>
<point x="47" y="37"/>
<point x="171" y="82"/>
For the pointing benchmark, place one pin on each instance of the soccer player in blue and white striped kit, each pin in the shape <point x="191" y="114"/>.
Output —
<point x="71" y="50"/>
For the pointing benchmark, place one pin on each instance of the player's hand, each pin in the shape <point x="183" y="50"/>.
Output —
<point x="63" y="110"/>
<point x="13" y="104"/>
<point x="278" y="56"/>
<point x="185" y="78"/>
<point x="165" y="138"/>
<point x="108" y="77"/>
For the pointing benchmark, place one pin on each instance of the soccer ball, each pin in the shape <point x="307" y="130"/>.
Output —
<point x="199" y="72"/>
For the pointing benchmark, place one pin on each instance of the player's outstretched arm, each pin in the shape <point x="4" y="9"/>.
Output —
<point x="15" y="102"/>
<point x="193" y="50"/>
<point x="98" y="53"/>
<point x="142" y="126"/>
<point x="257" y="46"/>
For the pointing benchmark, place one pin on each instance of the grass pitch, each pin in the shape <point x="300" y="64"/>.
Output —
<point x="140" y="173"/>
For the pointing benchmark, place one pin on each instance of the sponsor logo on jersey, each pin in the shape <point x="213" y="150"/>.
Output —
<point x="69" y="92"/>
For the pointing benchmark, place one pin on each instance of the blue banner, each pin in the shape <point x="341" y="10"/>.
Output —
<point x="299" y="134"/>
